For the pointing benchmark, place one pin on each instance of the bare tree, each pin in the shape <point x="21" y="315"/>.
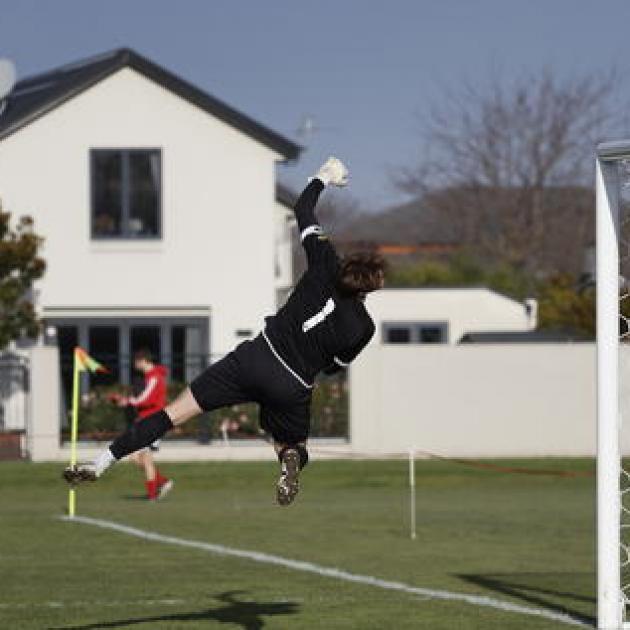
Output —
<point x="509" y="165"/>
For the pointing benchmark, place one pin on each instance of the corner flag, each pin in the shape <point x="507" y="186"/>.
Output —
<point x="86" y="362"/>
<point x="82" y="362"/>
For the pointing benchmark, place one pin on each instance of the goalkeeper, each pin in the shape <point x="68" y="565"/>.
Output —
<point x="322" y="327"/>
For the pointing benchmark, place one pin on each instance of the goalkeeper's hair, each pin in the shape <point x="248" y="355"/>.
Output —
<point x="361" y="273"/>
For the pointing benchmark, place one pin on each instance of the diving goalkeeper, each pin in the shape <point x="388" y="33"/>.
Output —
<point x="323" y="326"/>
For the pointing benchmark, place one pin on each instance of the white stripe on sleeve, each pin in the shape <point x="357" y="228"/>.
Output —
<point x="146" y="392"/>
<point x="311" y="229"/>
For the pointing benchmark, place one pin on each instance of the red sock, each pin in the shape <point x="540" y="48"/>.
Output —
<point x="151" y="487"/>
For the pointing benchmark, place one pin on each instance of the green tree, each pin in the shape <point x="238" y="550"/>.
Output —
<point x="463" y="270"/>
<point x="561" y="304"/>
<point x="20" y="266"/>
<point x="508" y="163"/>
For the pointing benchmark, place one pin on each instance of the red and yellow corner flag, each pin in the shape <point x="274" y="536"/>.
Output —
<point x="85" y="362"/>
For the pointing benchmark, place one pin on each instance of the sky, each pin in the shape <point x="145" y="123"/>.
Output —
<point x="366" y="72"/>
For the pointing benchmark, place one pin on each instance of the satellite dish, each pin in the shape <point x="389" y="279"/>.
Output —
<point x="7" y="81"/>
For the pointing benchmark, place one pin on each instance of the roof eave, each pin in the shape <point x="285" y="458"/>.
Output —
<point x="54" y="103"/>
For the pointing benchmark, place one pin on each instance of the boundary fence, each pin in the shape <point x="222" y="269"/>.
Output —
<point x="14" y="404"/>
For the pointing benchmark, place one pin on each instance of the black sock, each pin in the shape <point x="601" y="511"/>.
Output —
<point x="140" y="434"/>
<point x="302" y="452"/>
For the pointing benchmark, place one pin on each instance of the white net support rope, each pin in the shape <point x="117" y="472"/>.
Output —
<point x="623" y="234"/>
<point x="620" y="177"/>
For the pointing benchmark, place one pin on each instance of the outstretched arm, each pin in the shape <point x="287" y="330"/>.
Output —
<point x="345" y="358"/>
<point x="305" y="209"/>
<point x="318" y="248"/>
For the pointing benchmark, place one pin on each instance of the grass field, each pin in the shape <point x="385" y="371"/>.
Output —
<point x="522" y="539"/>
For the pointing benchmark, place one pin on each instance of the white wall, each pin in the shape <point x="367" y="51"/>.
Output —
<point x="283" y="220"/>
<point x="521" y="400"/>
<point x="476" y="400"/>
<point x="43" y="438"/>
<point x="465" y="309"/>
<point x="217" y="250"/>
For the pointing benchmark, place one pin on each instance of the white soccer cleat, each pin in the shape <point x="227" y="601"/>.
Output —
<point x="165" y="488"/>
<point x="333" y="172"/>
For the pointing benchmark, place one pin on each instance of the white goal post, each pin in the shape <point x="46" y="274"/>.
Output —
<point x="613" y="560"/>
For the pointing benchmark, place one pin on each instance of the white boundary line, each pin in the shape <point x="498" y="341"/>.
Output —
<point x="339" y="574"/>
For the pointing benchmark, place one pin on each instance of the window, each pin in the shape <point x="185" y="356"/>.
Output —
<point x="415" y="332"/>
<point x="104" y="346"/>
<point x="145" y="338"/>
<point x="126" y="193"/>
<point x="398" y="334"/>
<point x="431" y="333"/>
<point x="67" y="340"/>
<point x="179" y="343"/>
<point x="178" y="353"/>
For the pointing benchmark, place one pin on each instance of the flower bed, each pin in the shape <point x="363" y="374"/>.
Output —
<point x="101" y="420"/>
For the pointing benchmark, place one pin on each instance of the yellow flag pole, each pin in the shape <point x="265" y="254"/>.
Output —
<point x="74" y="430"/>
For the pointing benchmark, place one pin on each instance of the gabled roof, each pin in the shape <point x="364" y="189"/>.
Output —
<point x="35" y="96"/>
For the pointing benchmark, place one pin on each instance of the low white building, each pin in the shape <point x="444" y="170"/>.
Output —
<point x="445" y="315"/>
<point x="158" y="206"/>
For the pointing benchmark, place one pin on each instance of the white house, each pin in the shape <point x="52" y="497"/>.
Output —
<point x="445" y="315"/>
<point x="284" y="223"/>
<point x="158" y="206"/>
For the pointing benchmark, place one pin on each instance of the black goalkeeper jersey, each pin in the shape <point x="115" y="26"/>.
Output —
<point x="318" y="327"/>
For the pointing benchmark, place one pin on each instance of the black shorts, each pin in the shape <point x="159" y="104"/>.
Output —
<point x="252" y="373"/>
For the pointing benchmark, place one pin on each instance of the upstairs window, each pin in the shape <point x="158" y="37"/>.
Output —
<point x="415" y="332"/>
<point x="126" y="193"/>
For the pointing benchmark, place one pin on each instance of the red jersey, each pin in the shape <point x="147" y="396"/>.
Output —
<point x="153" y="397"/>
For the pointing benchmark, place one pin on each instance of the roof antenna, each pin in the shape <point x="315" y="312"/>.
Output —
<point x="7" y="82"/>
<point x="307" y="128"/>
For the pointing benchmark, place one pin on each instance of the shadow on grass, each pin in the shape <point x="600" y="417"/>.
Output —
<point x="135" y="497"/>
<point x="249" y="615"/>
<point x="546" y="590"/>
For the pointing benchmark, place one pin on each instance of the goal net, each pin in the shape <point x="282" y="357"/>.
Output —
<point x="613" y="384"/>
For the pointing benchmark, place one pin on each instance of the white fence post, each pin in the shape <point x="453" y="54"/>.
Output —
<point x="43" y="433"/>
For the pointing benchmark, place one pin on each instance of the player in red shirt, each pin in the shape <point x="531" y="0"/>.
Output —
<point x="151" y="399"/>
